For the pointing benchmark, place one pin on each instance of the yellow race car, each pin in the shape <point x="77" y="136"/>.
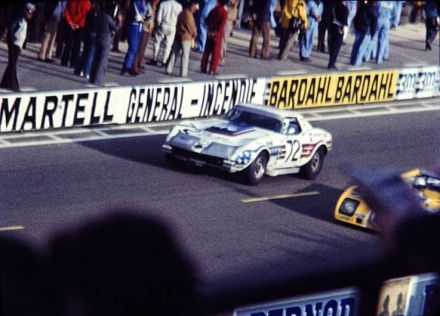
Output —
<point x="352" y="209"/>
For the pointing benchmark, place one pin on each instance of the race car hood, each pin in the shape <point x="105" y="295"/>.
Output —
<point x="218" y="137"/>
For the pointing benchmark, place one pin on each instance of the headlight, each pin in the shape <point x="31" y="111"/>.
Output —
<point x="244" y="157"/>
<point x="419" y="182"/>
<point x="348" y="207"/>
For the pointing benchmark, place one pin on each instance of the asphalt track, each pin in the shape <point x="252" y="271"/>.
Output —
<point x="236" y="235"/>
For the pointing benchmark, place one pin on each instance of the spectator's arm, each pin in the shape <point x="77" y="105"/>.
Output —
<point x="302" y="12"/>
<point x="67" y="15"/>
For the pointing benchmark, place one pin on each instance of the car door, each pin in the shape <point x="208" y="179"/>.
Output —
<point x="292" y="143"/>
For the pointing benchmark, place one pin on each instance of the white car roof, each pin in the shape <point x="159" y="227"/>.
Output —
<point x="275" y="113"/>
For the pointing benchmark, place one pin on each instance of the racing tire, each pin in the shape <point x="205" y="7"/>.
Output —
<point x="257" y="169"/>
<point x="172" y="161"/>
<point x="311" y="170"/>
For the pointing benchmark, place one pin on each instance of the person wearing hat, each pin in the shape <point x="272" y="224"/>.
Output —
<point x="16" y="37"/>
<point x="186" y="31"/>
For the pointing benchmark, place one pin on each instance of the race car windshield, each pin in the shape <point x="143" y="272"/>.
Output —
<point x="240" y="117"/>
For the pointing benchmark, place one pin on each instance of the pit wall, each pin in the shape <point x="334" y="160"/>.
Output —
<point x="167" y="102"/>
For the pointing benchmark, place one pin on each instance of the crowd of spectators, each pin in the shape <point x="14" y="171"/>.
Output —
<point x="81" y="33"/>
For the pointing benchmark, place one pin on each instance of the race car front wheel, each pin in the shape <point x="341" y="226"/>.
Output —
<point x="255" y="172"/>
<point x="311" y="170"/>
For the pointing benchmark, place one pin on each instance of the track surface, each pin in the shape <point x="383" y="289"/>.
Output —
<point x="49" y="188"/>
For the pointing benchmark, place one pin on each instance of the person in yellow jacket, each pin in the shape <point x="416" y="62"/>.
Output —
<point x="293" y="19"/>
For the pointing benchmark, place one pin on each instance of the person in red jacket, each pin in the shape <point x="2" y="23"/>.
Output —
<point x="215" y="22"/>
<point x="75" y="16"/>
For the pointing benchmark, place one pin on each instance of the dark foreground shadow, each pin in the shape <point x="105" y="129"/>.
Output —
<point x="124" y="264"/>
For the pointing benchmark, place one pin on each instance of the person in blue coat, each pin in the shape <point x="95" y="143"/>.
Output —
<point x="365" y="24"/>
<point x="384" y="10"/>
<point x="352" y="8"/>
<point x="135" y="19"/>
<point x="314" y="13"/>
<point x="205" y="7"/>
<point x="397" y="12"/>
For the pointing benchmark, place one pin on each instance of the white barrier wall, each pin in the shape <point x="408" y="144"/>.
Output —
<point x="125" y="105"/>
<point x="164" y="102"/>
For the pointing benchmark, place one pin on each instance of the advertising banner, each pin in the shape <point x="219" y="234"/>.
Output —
<point x="338" y="303"/>
<point x="125" y="105"/>
<point x="308" y="91"/>
<point x="418" y="82"/>
<point x="417" y="295"/>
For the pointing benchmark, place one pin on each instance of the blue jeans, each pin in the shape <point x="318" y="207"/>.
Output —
<point x="133" y="39"/>
<point x="84" y="64"/>
<point x="360" y="45"/>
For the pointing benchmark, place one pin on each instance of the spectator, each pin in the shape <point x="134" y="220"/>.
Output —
<point x="314" y="12"/>
<point x="293" y="18"/>
<point x="431" y="23"/>
<point x="417" y="11"/>
<point x="397" y="12"/>
<point x="53" y="17"/>
<point x="75" y="14"/>
<point x="121" y="8"/>
<point x="352" y="7"/>
<point x="186" y="31"/>
<point x="106" y="25"/>
<point x="324" y="23"/>
<point x="134" y="22"/>
<point x="36" y="24"/>
<point x="384" y="11"/>
<point x="215" y="23"/>
<point x="146" y="33"/>
<point x="6" y="14"/>
<point x="240" y="11"/>
<point x="206" y="7"/>
<point x="84" y="65"/>
<point x="16" y="37"/>
<point x="261" y="23"/>
<point x="365" y="23"/>
<point x="165" y="29"/>
<point x="339" y="16"/>
<point x="232" y="19"/>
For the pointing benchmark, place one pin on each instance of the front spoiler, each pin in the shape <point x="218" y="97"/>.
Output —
<point x="201" y="160"/>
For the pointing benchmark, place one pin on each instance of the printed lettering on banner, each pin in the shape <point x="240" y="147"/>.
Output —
<point x="27" y="111"/>
<point x="190" y="100"/>
<point x="125" y="105"/>
<point x="418" y="82"/>
<point x="308" y="91"/>
<point x="338" y="303"/>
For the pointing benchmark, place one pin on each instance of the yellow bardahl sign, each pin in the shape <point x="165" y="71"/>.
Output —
<point x="332" y="89"/>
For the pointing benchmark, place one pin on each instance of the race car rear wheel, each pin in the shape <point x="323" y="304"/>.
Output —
<point x="255" y="172"/>
<point x="311" y="170"/>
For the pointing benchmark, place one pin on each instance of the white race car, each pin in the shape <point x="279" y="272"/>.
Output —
<point x="252" y="139"/>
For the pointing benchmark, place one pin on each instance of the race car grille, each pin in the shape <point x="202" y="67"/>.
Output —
<point x="205" y="158"/>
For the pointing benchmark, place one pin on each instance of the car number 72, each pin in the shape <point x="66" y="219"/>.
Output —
<point x="295" y="150"/>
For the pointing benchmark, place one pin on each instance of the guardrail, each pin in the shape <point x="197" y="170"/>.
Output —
<point x="166" y="102"/>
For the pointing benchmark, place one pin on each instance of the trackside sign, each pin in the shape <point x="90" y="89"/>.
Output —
<point x="412" y="296"/>
<point x="166" y="102"/>
<point x="125" y="105"/>
<point x="300" y="92"/>
<point x="342" y="303"/>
